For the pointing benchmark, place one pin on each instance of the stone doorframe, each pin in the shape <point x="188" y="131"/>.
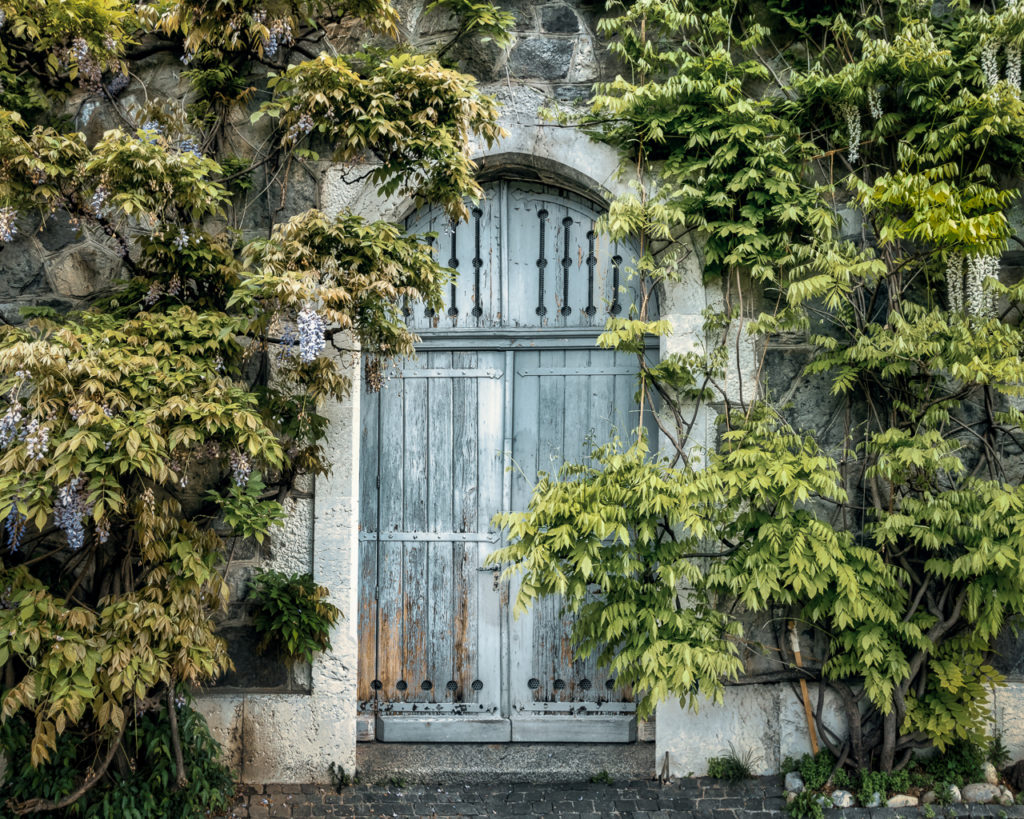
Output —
<point x="295" y="737"/>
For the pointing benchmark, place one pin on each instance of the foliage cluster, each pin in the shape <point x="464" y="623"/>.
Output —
<point x="889" y="524"/>
<point x="140" y="793"/>
<point x="290" y="612"/>
<point x="144" y="434"/>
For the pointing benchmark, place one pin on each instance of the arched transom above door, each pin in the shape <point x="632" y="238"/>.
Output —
<point x="530" y="256"/>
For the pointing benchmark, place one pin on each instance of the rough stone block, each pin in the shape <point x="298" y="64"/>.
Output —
<point x="524" y="13"/>
<point x="21" y="264"/>
<point x="794" y="782"/>
<point x="545" y="58"/>
<point x="59" y="231"/>
<point x="559" y="19"/>
<point x="82" y="270"/>
<point x="584" y="64"/>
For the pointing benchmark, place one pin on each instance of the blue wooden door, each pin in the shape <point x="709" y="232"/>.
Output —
<point x="508" y="382"/>
<point x="432" y="456"/>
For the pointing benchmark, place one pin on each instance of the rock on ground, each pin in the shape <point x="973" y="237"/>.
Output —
<point x="981" y="793"/>
<point x="842" y="799"/>
<point x="932" y="797"/>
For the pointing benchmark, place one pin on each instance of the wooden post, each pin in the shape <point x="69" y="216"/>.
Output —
<point x="794" y="642"/>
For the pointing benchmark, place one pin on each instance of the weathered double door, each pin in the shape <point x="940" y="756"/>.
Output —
<point x="455" y="436"/>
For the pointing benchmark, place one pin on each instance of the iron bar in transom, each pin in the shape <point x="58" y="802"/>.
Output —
<point x="453" y="263"/>
<point x="429" y="312"/>
<point x="616" y="308"/>
<point x="566" y="264"/>
<point x="477" y="264"/>
<point x="591" y="262"/>
<point x="542" y="262"/>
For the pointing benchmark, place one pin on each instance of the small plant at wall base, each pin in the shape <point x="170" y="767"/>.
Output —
<point x="733" y="766"/>
<point x="291" y="614"/>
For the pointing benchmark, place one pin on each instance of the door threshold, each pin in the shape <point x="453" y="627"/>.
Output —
<point x="422" y="728"/>
<point x="567" y="728"/>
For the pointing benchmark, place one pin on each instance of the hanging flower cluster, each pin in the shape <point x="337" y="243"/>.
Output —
<point x="990" y="61"/>
<point x="1013" y="66"/>
<point x="979" y="301"/>
<point x="37" y="440"/>
<point x="280" y="35"/>
<point x="99" y="200"/>
<point x="118" y="84"/>
<point x="71" y="510"/>
<point x="9" y="424"/>
<point x="311" y="334"/>
<point x="851" y="114"/>
<point x="90" y="72"/>
<point x="190" y="146"/>
<point x="156" y="290"/>
<point x="241" y="468"/>
<point x="14" y="526"/>
<point x="955" y="282"/>
<point x="875" y="103"/>
<point x="8" y="224"/>
<point x="302" y="127"/>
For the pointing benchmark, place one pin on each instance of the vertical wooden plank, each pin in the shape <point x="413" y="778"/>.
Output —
<point x="368" y="466"/>
<point x="425" y="221"/>
<point x="390" y="608"/>
<point x="439" y="519"/>
<point x="464" y="506"/>
<point x="578" y="436"/>
<point x="602" y="418"/>
<point x="390" y="623"/>
<point x="524" y="237"/>
<point x="572" y="223"/>
<point x="490" y="435"/>
<point x="489" y="276"/>
<point x="551" y="440"/>
<point x="525" y="401"/>
<point x="415" y="635"/>
<point x="500" y="255"/>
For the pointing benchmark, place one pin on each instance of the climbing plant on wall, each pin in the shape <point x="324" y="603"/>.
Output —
<point x="888" y="523"/>
<point x="142" y="432"/>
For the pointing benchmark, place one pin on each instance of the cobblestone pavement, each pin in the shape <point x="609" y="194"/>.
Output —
<point x="685" y="799"/>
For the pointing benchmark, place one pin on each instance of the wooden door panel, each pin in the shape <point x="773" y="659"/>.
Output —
<point x="565" y="402"/>
<point x="432" y="610"/>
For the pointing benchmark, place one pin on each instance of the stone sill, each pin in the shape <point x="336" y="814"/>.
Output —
<point x="235" y="691"/>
